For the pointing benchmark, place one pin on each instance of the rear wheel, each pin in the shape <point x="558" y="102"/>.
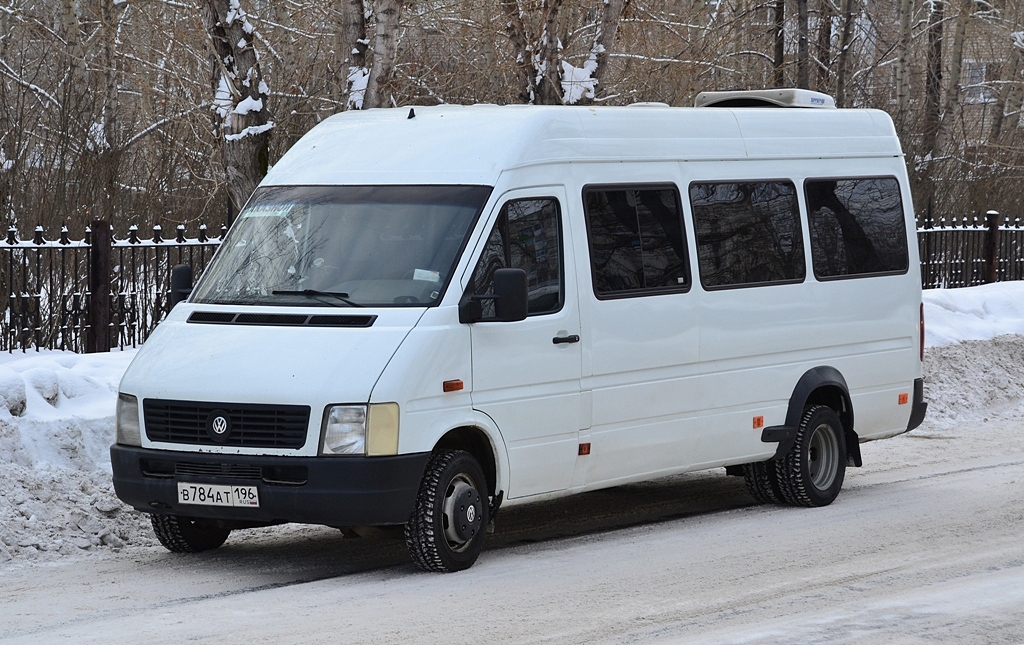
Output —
<point x="447" y="528"/>
<point x="813" y="471"/>
<point x="186" y="534"/>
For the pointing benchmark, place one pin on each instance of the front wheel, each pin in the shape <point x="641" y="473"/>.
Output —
<point x="188" y="535"/>
<point x="446" y="530"/>
<point x="813" y="471"/>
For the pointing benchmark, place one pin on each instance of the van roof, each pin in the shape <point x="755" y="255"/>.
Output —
<point x="451" y="144"/>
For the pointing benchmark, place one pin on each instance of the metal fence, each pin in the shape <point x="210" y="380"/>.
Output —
<point x="46" y="285"/>
<point x="971" y="251"/>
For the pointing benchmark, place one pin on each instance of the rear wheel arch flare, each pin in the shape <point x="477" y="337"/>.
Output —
<point x="476" y="442"/>
<point x="825" y="385"/>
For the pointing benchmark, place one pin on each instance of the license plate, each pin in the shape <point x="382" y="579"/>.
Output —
<point x="215" y="495"/>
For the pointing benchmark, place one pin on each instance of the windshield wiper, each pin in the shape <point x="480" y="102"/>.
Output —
<point x="343" y="297"/>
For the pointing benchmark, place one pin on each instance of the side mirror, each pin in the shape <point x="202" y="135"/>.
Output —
<point x="510" y="299"/>
<point x="181" y="283"/>
<point x="510" y="295"/>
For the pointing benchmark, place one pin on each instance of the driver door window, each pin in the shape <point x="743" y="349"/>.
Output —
<point x="526" y="236"/>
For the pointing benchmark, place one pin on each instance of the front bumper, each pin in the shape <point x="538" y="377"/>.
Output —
<point x="339" y="491"/>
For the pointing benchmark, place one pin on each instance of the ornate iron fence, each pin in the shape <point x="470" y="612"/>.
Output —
<point x="48" y="287"/>
<point x="971" y="251"/>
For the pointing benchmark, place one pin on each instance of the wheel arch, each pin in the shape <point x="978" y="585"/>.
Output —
<point x="476" y="442"/>
<point x="823" y="385"/>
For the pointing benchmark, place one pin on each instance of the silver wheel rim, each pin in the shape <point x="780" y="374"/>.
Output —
<point x="823" y="456"/>
<point x="459" y="484"/>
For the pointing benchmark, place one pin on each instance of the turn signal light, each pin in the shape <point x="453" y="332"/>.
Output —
<point x="453" y="386"/>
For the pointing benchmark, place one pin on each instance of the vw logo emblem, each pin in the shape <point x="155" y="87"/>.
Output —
<point x="218" y="425"/>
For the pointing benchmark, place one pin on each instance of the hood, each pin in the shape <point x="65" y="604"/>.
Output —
<point x="266" y="363"/>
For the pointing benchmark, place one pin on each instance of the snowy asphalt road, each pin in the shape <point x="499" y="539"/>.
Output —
<point x="924" y="545"/>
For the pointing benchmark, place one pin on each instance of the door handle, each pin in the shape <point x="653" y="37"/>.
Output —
<point x="558" y="340"/>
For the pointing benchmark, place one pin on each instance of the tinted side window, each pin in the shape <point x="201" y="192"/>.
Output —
<point x="526" y="236"/>
<point x="636" y="240"/>
<point x="857" y="226"/>
<point x="747" y="233"/>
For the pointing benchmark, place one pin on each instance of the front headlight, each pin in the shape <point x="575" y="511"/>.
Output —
<point x="344" y="430"/>
<point x="361" y="430"/>
<point x="128" y="430"/>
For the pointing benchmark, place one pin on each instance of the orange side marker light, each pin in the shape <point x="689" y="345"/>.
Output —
<point x="584" y="449"/>
<point x="453" y="385"/>
<point x="758" y="422"/>
<point x="904" y="398"/>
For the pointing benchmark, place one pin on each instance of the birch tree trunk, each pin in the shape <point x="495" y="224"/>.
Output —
<point x="547" y="61"/>
<point x="824" y="50"/>
<point x="906" y="8"/>
<point x="779" y="59"/>
<point x="845" y="43"/>
<point x="242" y="119"/>
<point x="520" y="39"/>
<point x="111" y="151"/>
<point x="350" y="53"/>
<point x="954" y="93"/>
<point x="933" y="78"/>
<point x="606" y="37"/>
<point x="387" y="20"/>
<point x="802" y="63"/>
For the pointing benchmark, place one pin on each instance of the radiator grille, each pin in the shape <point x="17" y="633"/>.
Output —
<point x="252" y="425"/>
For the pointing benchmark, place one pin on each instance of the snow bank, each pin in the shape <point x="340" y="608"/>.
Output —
<point x="974" y="313"/>
<point x="56" y="427"/>
<point x="57" y="421"/>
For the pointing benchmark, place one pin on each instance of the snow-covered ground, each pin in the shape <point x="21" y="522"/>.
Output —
<point x="62" y="530"/>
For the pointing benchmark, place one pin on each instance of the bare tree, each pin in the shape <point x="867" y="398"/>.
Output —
<point x="779" y="41"/>
<point x="387" y="18"/>
<point x="242" y="120"/>
<point x="845" y="45"/>
<point x="350" y="53"/>
<point x="802" y="56"/>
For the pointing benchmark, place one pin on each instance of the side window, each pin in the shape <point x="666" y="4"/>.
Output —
<point x="747" y="233"/>
<point x="637" y="241"/>
<point x="526" y="236"/>
<point x="857" y="226"/>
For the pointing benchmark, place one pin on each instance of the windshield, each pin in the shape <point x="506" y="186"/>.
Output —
<point x="343" y="246"/>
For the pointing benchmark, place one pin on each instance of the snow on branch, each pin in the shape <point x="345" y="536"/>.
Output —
<point x="162" y="122"/>
<point x="250" y="131"/>
<point x="37" y="91"/>
<point x="578" y="82"/>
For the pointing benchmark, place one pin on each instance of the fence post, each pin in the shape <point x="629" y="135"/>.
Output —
<point x="99" y="288"/>
<point x="992" y="220"/>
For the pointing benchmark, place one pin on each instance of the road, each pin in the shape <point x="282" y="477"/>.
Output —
<point x="924" y="545"/>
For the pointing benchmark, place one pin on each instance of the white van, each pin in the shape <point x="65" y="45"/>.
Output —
<point x="422" y="314"/>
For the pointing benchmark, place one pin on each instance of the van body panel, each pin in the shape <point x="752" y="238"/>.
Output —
<point x="435" y="351"/>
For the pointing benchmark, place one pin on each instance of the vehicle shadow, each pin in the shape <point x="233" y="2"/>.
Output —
<point x="291" y="554"/>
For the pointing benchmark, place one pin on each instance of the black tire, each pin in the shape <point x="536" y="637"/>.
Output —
<point x="188" y="535"/>
<point x="447" y="528"/>
<point x="812" y="473"/>
<point x="762" y="482"/>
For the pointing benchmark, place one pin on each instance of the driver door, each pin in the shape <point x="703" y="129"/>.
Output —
<point x="526" y="374"/>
